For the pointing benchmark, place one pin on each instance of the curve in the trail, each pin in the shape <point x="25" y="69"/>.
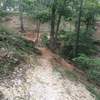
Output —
<point x="37" y="80"/>
<point x="48" y="54"/>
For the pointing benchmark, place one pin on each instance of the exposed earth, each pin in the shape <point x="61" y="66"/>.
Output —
<point x="37" y="80"/>
<point x="40" y="79"/>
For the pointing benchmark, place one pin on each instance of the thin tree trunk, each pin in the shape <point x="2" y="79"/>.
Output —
<point x="52" y="34"/>
<point x="59" y="18"/>
<point x="78" y="30"/>
<point x="58" y="24"/>
<point x="21" y="16"/>
<point x="87" y="26"/>
<point x="70" y="26"/>
<point x="21" y="23"/>
<point x="38" y="31"/>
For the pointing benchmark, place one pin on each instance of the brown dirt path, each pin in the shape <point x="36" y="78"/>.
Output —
<point x="48" y="54"/>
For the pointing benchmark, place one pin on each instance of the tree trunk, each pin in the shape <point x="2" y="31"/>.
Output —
<point x="87" y="26"/>
<point x="52" y="34"/>
<point x="58" y="24"/>
<point x="38" y="31"/>
<point x="78" y="30"/>
<point x="70" y="26"/>
<point x="21" y="16"/>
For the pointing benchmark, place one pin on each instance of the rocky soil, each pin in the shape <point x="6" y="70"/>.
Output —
<point x="37" y="80"/>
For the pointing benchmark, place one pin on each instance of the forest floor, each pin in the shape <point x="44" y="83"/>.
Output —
<point x="44" y="77"/>
<point x="41" y="79"/>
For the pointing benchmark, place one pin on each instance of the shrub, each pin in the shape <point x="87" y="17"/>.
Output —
<point x="90" y="66"/>
<point x="3" y="14"/>
<point x="15" y="42"/>
<point x="66" y="38"/>
<point x="94" y="71"/>
<point x="83" y="62"/>
<point x="45" y="39"/>
<point x="8" y="62"/>
<point x="12" y="50"/>
<point x="86" y="43"/>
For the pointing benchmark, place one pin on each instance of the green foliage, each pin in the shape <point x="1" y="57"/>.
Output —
<point x="86" y="42"/>
<point x="94" y="90"/>
<point x="3" y="14"/>
<point x="15" y="42"/>
<point x="43" y="17"/>
<point x="36" y="10"/>
<point x="67" y="40"/>
<point x="45" y="39"/>
<point x="83" y="61"/>
<point x="94" y="71"/>
<point x="12" y="51"/>
<point x="90" y="66"/>
<point x="8" y="63"/>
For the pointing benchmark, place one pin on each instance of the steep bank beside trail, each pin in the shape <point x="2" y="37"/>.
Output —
<point x="37" y="80"/>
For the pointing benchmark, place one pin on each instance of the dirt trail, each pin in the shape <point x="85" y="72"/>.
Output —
<point x="49" y="55"/>
<point x="41" y="82"/>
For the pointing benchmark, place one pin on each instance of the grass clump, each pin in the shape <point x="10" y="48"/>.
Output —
<point x="12" y="51"/>
<point x="8" y="62"/>
<point x="13" y="41"/>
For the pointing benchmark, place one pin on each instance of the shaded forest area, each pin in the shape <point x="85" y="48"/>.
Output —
<point x="64" y="32"/>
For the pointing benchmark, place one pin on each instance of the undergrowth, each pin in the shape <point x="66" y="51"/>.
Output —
<point x="94" y="90"/>
<point x="12" y="50"/>
<point x="90" y="66"/>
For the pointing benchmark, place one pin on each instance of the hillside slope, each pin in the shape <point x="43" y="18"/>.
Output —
<point x="37" y="80"/>
<point x="36" y="77"/>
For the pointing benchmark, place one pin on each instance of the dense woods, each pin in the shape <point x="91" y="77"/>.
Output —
<point x="70" y="32"/>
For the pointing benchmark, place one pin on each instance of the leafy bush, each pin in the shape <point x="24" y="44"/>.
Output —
<point x="94" y="71"/>
<point x="83" y="62"/>
<point x="86" y="42"/>
<point x="66" y="38"/>
<point x="15" y="42"/>
<point x="3" y="14"/>
<point x="90" y="66"/>
<point x="43" y="17"/>
<point x="45" y="39"/>
<point x="8" y="62"/>
<point x="12" y="50"/>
